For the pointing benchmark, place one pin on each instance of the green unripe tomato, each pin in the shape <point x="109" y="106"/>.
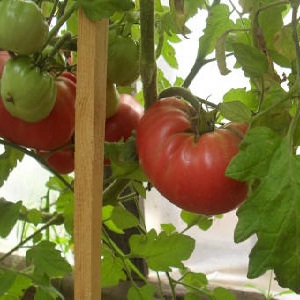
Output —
<point x="27" y="92"/>
<point x="112" y="99"/>
<point x="122" y="60"/>
<point x="23" y="27"/>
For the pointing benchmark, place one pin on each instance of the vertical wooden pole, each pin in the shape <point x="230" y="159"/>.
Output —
<point x="89" y="140"/>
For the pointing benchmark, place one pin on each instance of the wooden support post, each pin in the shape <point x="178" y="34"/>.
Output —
<point x="89" y="141"/>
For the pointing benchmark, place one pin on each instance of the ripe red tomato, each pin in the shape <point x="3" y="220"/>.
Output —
<point x="50" y="133"/>
<point x="125" y="120"/>
<point x="61" y="161"/>
<point x="189" y="170"/>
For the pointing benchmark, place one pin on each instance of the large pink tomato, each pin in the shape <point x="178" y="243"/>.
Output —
<point x="189" y="169"/>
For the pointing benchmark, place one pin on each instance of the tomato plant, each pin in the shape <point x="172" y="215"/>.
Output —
<point x="50" y="133"/>
<point x="187" y="168"/>
<point x="256" y="42"/>
<point x="23" y="27"/>
<point x="28" y="93"/>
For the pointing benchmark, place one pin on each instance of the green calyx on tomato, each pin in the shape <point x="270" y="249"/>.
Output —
<point x="23" y="27"/>
<point x="27" y="92"/>
<point x="189" y="171"/>
<point x="123" y="60"/>
<point x="112" y="99"/>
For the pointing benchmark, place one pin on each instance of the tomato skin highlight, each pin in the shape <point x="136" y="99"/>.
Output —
<point x="50" y="133"/>
<point x="187" y="170"/>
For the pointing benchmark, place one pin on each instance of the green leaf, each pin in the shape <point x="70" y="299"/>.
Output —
<point x="162" y="251"/>
<point x="17" y="288"/>
<point x="220" y="293"/>
<point x="217" y="22"/>
<point x="168" y="228"/>
<point x="106" y="215"/>
<point x="48" y="260"/>
<point x="47" y="293"/>
<point x="192" y="219"/>
<point x="284" y="43"/>
<point x="100" y="9"/>
<point x="123" y="218"/>
<point x="65" y="205"/>
<point x="112" y="269"/>
<point x="146" y="292"/>
<point x="7" y="279"/>
<point x="123" y="159"/>
<point x="271" y="213"/>
<point x="8" y="161"/>
<point x="254" y="158"/>
<point x="169" y="54"/>
<point x="34" y="216"/>
<point x="252" y="60"/>
<point x="221" y="54"/>
<point x="235" y="111"/>
<point x="272" y="15"/>
<point x="9" y="215"/>
<point x="249" y="98"/>
<point x="195" y="280"/>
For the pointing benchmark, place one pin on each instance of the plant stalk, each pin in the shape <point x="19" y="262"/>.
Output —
<point x="148" y="67"/>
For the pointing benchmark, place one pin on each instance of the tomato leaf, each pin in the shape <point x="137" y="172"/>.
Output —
<point x="13" y="285"/>
<point x="100" y="9"/>
<point x="123" y="159"/>
<point x="47" y="293"/>
<point x="146" y="292"/>
<point x="249" y="98"/>
<point x="9" y="215"/>
<point x="235" y="111"/>
<point x="8" y="161"/>
<point x="256" y="150"/>
<point x="217" y="22"/>
<point x="123" y="218"/>
<point x="252" y="60"/>
<point x="192" y="219"/>
<point x="271" y="213"/>
<point x="220" y="293"/>
<point x="112" y="268"/>
<point x="48" y="260"/>
<point x="162" y="251"/>
<point x="221" y="54"/>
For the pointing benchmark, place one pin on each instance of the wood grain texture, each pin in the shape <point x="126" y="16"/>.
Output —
<point x="89" y="141"/>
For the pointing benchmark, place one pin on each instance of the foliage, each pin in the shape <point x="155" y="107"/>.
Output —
<point x="262" y="38"/>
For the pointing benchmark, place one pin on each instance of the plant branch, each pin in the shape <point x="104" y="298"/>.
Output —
<point x="61" y="21"/>
<point x="23" y="242"/>
<point x="39" y="159"/>
<point x="148" y="67"/>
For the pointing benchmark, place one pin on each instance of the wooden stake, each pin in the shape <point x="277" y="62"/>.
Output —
<point x="89" y="141"/>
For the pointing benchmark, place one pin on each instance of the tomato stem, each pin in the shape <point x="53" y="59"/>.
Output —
<point x="148" y="67"/>
<point x="203" y="121"/>
<point x="39" y="159"/>
<point x="61" y="21"/>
